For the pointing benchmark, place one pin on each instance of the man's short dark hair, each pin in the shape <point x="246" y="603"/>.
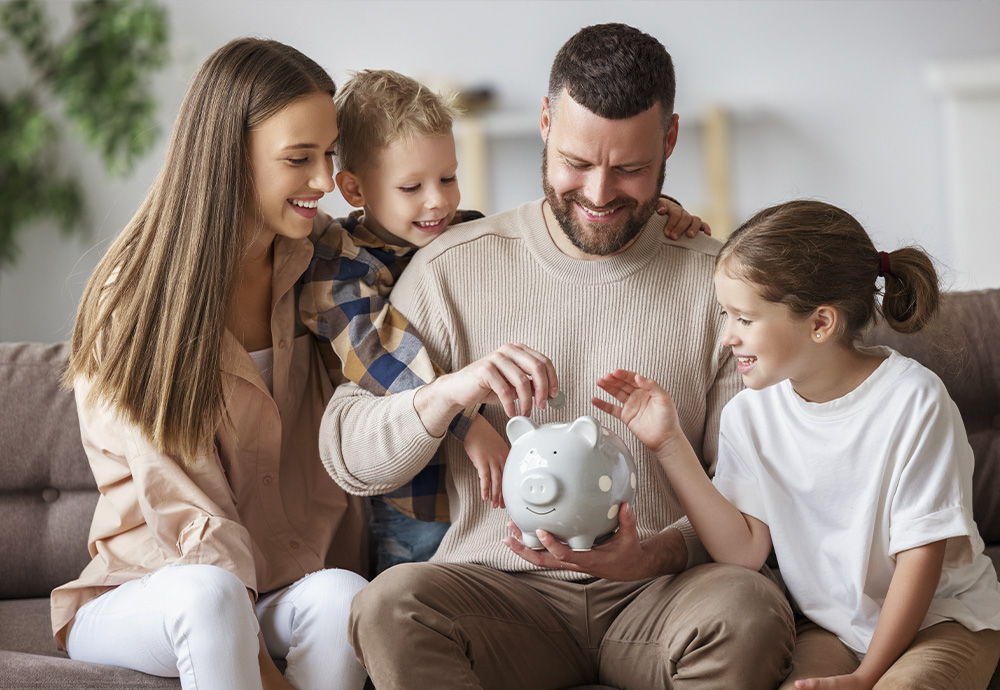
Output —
<point x="615" y="71"/>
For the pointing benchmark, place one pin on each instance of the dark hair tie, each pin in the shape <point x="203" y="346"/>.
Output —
<point x="884" y="268"/>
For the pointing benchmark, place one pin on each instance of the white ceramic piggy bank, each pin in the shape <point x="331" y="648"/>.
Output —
<point x="567" y="479"/>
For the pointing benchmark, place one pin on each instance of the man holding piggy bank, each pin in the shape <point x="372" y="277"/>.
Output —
<point x="588" y="280"/>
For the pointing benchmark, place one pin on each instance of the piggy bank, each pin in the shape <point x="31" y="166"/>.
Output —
<point x="568" y="479"/>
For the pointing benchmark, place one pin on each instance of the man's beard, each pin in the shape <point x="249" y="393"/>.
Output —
<point x="599" y="239"/>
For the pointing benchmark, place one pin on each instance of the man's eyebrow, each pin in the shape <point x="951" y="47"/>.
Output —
<point x="581" y="159"/>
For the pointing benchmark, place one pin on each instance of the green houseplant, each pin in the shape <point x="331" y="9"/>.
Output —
<point x="99" y="72"/>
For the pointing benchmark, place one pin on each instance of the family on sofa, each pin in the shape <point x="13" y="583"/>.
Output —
<point x="211" y="338"/>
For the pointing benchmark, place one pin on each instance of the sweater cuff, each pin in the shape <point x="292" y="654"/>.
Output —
<point x="696" y="552"/>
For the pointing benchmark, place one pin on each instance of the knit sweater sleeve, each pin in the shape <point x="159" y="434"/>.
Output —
<point x="373" y="445"/>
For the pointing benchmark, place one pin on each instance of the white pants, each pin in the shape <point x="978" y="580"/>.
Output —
<point x="195" y="622"/>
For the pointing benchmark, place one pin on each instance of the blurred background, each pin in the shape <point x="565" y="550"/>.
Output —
<point x="889" y="109"/>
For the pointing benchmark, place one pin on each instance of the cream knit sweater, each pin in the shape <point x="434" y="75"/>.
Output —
<point x="650" y="309"/>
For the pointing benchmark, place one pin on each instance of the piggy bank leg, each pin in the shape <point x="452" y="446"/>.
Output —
<point x="531" y="541"/>
<point x="581" y="543"/>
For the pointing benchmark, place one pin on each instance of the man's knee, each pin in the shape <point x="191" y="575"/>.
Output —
<point x="387" y="602"/>
<point x="750" y="604"/>
<point x="719" y="626"/>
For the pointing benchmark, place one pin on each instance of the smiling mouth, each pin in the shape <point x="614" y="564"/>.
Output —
<point x="537" y="513"/>
<point x="597" y="214"/>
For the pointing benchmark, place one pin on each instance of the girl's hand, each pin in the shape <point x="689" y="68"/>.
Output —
<point x="847" y="682"/>
<point x="488" y="452"/>
<point x="679" y="221"/>
<point x="647" y="410"/>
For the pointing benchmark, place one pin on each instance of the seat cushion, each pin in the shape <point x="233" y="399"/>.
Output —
<point x="29" y="657"/>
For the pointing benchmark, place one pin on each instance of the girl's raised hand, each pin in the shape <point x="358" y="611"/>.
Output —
<point x="647" y="410"/>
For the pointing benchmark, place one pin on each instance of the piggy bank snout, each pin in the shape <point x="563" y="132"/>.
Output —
<point x="539" y="489"/>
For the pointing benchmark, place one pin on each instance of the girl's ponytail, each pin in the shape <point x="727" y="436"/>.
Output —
<point x="911" y="295"/>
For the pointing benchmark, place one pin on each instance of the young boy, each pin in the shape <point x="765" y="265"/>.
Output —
<point x="396" y="163"/>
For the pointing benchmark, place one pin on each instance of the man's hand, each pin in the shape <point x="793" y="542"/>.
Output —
<point x="515" y="376"/>
<point x="488" y="452"/>
<point x="623" y="557"/>
<point x="679" y="221"/>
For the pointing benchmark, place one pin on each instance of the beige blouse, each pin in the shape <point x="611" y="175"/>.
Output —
<point x="260" y="504"/>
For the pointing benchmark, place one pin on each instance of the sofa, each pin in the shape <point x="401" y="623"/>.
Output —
<point x="48" y="495"/>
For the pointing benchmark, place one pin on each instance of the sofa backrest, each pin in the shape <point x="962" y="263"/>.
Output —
<point x="47" y="492"/>
<point x="961" y="346"/>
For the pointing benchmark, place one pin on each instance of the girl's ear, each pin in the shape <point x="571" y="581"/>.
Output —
<point x="824" y="323"/>
<point x="350" y="188"/>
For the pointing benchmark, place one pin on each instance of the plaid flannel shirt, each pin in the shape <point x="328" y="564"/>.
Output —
<point x="344" y="302"/>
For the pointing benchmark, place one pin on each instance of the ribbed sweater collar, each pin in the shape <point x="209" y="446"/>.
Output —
<point x="600" y="271"/>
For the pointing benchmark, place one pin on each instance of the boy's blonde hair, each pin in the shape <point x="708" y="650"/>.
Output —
<point x="377" y="107"/>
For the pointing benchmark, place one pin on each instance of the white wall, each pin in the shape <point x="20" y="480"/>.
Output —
<point x="830" y="100"/>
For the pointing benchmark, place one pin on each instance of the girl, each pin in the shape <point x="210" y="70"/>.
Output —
<point x="200" y="395"/>
<point x="851" y="462"/>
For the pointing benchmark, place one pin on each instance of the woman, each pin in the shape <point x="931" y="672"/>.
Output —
<point x="200" y="396"/>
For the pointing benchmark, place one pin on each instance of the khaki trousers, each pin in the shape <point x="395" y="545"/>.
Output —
<point x="430" y="625"/>
<point x="946" y="656"/>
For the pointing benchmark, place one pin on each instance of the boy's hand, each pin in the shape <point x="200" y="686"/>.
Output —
<point x="647" y="410"/>
<point x="488" y="452"/>
<point x="679" y="221"/>
<point x="848" y="682"/>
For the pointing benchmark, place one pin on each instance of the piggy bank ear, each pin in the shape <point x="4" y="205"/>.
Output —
<point x="588" y="427"/>
<point x="518" y="427"/>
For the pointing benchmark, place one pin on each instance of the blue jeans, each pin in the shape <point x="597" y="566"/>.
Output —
<point x="398" y="538"/>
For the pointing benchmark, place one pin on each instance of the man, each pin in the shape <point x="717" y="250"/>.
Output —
<point x="588" y="281"/>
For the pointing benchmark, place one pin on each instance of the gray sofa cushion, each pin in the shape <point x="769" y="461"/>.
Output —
<point x="48" y="493"/>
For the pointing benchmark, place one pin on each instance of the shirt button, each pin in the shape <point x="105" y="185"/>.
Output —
<point x="267" y="480"/>
<point x="281" y="344"/>
<point x="294" y="544"/>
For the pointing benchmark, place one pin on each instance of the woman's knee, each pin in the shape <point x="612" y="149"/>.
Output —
<point x="202" y="592"/>
<point x="331" y="590"/>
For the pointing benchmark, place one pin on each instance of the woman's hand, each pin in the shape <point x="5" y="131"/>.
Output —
<point x="270" y="676"/>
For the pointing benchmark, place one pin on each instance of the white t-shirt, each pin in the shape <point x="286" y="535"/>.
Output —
<point x="847" y="484"/>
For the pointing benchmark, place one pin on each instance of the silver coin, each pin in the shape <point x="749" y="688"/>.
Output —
<point x="558" y="401"/>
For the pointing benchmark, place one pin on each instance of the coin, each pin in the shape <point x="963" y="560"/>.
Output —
<point x="558" y="401"/>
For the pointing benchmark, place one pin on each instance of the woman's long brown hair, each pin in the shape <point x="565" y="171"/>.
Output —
<point x="150" y="325"/>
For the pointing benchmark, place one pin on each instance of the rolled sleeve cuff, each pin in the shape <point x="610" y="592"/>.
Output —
<point x="220" y="542"/>
<point x="955" y="521"/>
